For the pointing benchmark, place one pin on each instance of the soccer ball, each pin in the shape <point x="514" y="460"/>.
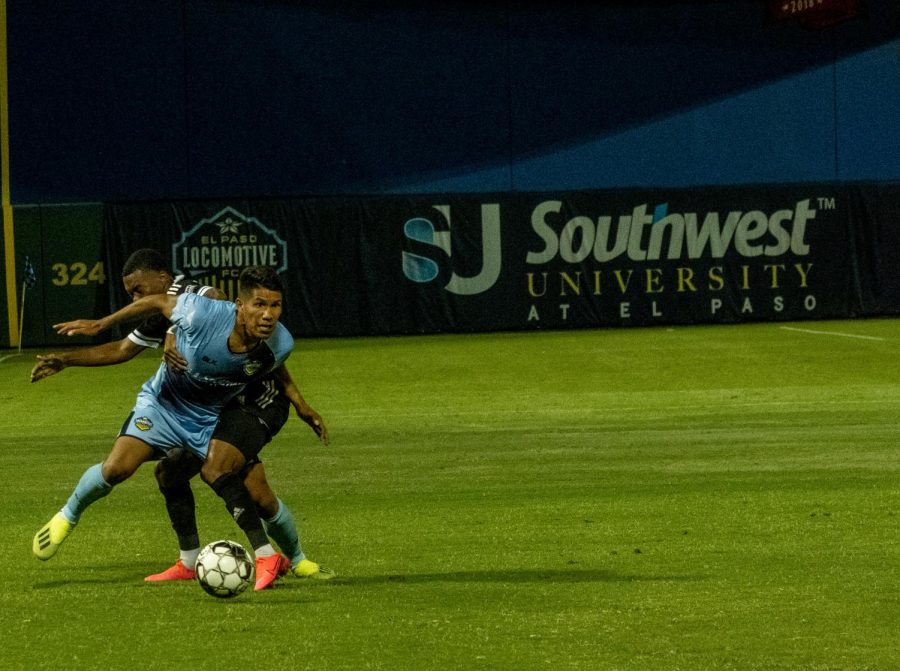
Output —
<point x="224" y="569"/>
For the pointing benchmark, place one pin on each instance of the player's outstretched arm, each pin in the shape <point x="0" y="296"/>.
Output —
<point x="142" y="307"/>
<point x="107" y="354"/>
<point x="303" y="409"/>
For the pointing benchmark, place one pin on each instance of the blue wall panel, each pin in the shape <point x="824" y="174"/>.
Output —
<point x="767" y="135"/>
<point x="96" y="100"/>
<point x="167" y="99"/>
<point x="343" y="100"/>
<point x="867" y="75"/>
<point x="620" y="96"/>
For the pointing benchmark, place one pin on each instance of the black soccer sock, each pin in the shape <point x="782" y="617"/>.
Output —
<point x="180" y="505"/>
<point x="240" y="506"/>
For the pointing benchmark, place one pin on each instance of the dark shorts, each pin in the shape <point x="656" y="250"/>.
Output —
<point x="250" y="428"/>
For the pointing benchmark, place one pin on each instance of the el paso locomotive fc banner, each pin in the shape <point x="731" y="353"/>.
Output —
<point x="528" y="261"/>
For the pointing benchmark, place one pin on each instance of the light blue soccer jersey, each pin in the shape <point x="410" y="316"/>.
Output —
<point x="181" y="409"/>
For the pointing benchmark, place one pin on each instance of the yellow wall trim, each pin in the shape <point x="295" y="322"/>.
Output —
<point x="9" y="245"/>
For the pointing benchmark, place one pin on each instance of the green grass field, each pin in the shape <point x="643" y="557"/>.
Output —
<point x="692" y="498"/>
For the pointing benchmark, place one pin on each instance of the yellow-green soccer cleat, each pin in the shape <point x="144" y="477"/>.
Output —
<point x="310" y="569"/>
<point x="50" y="537"/>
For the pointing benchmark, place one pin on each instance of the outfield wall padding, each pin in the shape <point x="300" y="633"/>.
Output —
<point x="523" y="261"/>
<point x="64" y="243"/>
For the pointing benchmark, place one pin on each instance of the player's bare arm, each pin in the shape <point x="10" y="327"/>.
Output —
<point x="303" y="409"/>
<point x="172" y="356"/>
<point x="107" y="354"/>
<point x="142" y="307"/>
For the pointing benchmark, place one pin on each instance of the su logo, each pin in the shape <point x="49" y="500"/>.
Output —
<point x="431" y="250"/>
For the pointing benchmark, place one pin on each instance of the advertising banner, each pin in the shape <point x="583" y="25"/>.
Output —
<point x="520" y="261"/>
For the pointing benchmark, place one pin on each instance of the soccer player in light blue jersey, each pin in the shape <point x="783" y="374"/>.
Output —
<point x="248" y="422"/>
<point x="227" y="345"/>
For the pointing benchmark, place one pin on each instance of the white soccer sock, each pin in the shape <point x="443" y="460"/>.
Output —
<point x="264" y="550"/>
<point x="189" y="557"/>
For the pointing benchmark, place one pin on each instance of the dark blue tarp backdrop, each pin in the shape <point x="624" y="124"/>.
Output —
<point x="456" y="262"/>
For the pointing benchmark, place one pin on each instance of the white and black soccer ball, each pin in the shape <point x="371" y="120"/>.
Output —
<point x="224" y="569"/>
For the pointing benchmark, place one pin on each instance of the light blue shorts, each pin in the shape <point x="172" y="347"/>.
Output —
<point x="163" y="429"/>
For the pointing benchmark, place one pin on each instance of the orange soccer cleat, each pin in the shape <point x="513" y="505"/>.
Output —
<point x="177" y="572"/>
<point x="269" y="569"/>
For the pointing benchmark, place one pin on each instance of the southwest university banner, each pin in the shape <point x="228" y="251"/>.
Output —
<point x="520" y="261"/>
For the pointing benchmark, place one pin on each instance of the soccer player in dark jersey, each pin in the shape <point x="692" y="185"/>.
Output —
<point x="247" y="424"/>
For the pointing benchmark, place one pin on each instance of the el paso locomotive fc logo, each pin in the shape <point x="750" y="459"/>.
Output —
<point x="216" y="249"/>
<point x="628" y="264"/>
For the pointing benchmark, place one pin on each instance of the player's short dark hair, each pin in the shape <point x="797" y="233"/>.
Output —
<point x="259" y="277"/>
<point x="145" y="259"/>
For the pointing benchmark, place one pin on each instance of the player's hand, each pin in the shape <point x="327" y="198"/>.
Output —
<point x="321" y="430"/>
<point x="47" y="365"/>
<point x="172" y="356"/>
<point x="87" y="327"/>
<point x="316" y="423"/>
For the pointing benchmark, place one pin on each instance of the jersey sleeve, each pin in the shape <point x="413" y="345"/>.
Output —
<point x="188" y="312"/>
<point x="152" y="331"/>
<point x="281" y="344"/>
<point x="180" y="286"/>
<point x="194" y="313"/>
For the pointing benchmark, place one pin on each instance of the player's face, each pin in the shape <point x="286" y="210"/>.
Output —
<point x="259" y="312"/>
<point x="146" y="283"/>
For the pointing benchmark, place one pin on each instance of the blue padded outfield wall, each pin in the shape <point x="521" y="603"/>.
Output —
<point x="162" y="99"/>
<point x="170" y="102"/>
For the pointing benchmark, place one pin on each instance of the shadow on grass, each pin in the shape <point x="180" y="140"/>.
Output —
<point x="116" y="575"/>
<point x="121" y="573"/>
<point x="555" y="576"/>
<point x="84" y="581"/>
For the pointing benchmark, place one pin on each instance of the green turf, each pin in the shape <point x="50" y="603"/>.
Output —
<point x="689" y="498"/>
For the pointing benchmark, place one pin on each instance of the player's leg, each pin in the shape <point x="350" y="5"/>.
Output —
<point x="265" y="499"/>
<point x="250" y="428"/>
<point x="221" y="471"/>
<point x="279" y="523"/>
<point x="279" y="527"/>
<point x="247" y="432"/>
<point x="173" y="475"/>
<point x="127" y="455"/>
<point x="276" y="516"/>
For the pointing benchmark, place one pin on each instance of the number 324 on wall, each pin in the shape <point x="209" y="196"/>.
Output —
<point x="77" y="274"/>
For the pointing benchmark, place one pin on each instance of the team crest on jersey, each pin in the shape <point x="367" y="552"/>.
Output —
<point x="251" y="368"/>
<point x="143" y="423"/>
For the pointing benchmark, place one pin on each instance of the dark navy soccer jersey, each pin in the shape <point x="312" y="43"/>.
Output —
<point x="260" y="394"/>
